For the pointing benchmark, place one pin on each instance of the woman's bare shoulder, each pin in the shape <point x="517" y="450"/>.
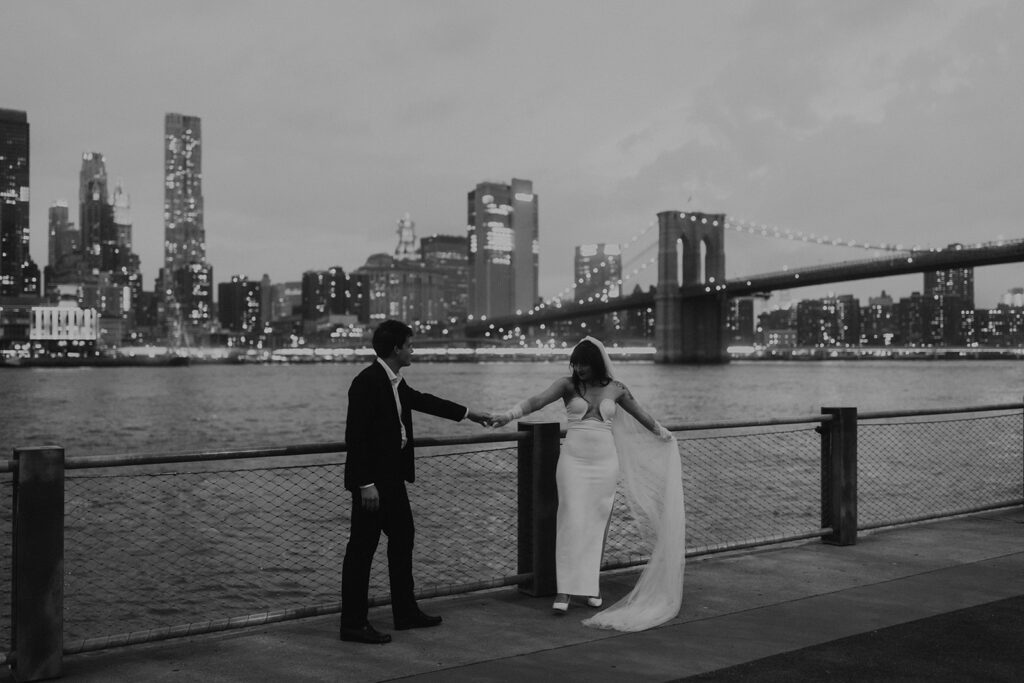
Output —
<point x="621" y="390"/>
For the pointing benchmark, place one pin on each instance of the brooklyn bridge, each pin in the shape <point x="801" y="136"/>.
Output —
<point x="690" y="300"/>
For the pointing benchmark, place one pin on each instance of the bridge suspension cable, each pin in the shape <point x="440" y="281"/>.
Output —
<point x="752" y="228"/>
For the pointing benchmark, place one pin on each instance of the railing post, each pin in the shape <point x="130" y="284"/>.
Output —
<point x="839" y="475"/>
<point x="37" y="567"/>
<point x="538" y="505"/>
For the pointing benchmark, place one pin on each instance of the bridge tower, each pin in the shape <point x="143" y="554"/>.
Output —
<point x="690" y="330"/>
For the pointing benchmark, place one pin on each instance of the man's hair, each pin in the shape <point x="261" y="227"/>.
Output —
<point x="389" y="335"/>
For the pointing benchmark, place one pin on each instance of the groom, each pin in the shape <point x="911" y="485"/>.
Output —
<point x="378" y="435"/>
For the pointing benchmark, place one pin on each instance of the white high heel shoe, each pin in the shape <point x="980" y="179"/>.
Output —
<point x="595" y="602"/>
<point x="560" y="606"/>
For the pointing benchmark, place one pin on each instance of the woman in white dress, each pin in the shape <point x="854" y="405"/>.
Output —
<point x="609" y="434"/>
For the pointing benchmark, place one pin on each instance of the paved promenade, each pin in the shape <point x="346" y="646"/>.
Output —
<point x="935" y="601"/>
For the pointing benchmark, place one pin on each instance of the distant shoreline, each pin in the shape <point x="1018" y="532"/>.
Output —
<point x="429" y="355"/>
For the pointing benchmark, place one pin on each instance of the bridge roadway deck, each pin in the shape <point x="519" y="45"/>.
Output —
<point x="935" y="601"/>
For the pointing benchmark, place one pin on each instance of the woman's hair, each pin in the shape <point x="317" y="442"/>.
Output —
<point x="389" y="335"/>
<point x="587" y="353"/>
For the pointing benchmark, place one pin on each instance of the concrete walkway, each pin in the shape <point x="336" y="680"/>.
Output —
<point x="795" y="612"/>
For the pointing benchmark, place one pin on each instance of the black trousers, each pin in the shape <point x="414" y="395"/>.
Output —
<point x="394" y="518"/>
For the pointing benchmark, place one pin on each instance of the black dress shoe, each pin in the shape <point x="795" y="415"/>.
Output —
<point x="364" y="634"/>
<point x="418" y="620"/>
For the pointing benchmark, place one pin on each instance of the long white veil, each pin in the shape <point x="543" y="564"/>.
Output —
<point x="651" y="476"/>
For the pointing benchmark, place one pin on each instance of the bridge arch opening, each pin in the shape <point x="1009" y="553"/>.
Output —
<point x="704" y="262"/>
<point x="680" y="247"/>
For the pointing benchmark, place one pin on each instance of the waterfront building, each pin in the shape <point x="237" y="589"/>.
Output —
<point x="357" y="296"/>
<point x="832" y="321"/>
<point x="336" y="291"/>
<point x="502" y="226"/>
<point x="1002" y="326"/>
<point x="598" y="272"/>
<point x="19" y="275"/>
<point x="65" y="330"/>
<point x="238" y="310"/>
<point x="966" y="333"/>
<point x="314" y="295"/>
<point x="878" y="321"/>
<point x="266" y="297"/>
<point x="776" y="328"/>
<point x="740" y="321"/>
<point x="184" y="231"/>
<point x="910" y="320"/>
<point x="449" y="256"/>
<point x="406" y="290"/>
<point x="285" y="301"/>
<point x="333" y="299"/>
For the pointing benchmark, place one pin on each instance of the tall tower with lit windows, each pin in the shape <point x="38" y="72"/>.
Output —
<point x="18" y="274"/>
<point x="186" y="276"/>
<point x="502" y="226"/>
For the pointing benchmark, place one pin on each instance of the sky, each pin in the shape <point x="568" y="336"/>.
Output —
<point x="323" y="123"/>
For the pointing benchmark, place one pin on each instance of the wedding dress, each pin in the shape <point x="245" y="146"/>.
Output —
<point x="602" y="443"/>
<point x="651" y="475"/>
<point x="586" y="474"/>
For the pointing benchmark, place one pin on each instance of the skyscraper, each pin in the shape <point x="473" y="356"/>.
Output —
<point x="184" y="234"/>
<point x="16" y="265"/>
<point x="947" y="293"/>
<point x="95" y="214"/>
<point x="502" y="226"/>
<point x="64" y="245"/>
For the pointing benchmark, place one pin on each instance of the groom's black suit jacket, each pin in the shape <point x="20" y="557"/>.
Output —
<point x="372" y="435"/>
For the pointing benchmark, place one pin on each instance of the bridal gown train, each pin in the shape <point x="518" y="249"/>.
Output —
<point x="600" y="445"/>
<point x="586" y="474"/>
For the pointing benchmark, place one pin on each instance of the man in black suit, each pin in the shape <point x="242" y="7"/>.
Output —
<point x="378" y="463"/>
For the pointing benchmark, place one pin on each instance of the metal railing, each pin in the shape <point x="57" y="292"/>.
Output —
<point x="161" y="546"/>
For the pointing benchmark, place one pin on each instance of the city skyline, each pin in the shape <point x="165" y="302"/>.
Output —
<point x="875" y="122"/>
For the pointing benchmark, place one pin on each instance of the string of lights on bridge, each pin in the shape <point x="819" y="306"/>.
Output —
<point x="737" y="225"/>
<point x="566" y="295"/>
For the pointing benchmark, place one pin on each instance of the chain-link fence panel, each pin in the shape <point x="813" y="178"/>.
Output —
<point x="6" y="557"/>
<point x="739" y="487"/>
<point x="153" y="550"/>
<point x="464" y="506"/>
<point x="923" y="467"/>
<point x="148" y="550"/>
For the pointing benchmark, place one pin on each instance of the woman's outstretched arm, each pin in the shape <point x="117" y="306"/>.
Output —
<point x="633" y="407"/>
<point x="536" y="402"/>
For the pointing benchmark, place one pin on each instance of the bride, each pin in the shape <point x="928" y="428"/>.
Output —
<point x="609" y="434"/>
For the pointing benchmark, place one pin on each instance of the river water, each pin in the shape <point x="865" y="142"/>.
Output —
<point x="95" y="410"/>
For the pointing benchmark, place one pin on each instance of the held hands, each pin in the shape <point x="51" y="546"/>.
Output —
<point x="484" y="419"/>
<point x="501" y="419"/>
<point x="490" y="419"/>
